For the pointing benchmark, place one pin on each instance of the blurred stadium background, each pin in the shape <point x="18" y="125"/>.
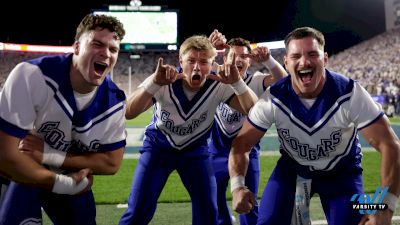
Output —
<point x="360" y="47"/>
<point x="363" y="38"/>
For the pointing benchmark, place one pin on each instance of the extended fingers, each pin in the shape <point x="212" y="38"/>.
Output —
<point x="260" y="54"/>
<point x="171" y="74"/>
<point x="218" y="40"/>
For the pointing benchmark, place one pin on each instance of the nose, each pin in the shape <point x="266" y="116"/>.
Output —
<point x="106" y="52"/>
<point x="196" y="66"/>
<point x="304" y="61"/>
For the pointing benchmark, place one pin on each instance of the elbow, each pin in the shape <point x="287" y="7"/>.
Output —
<point x="111" y="162"/>
<point x="111" y="168"/>
<point x="114" y="164"/>
<point x="128" y="116"/>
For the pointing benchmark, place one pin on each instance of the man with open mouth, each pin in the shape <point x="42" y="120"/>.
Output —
<point x="318" y="114"/>
<point x="184" y="102"/>
<point x="70" y="116"/>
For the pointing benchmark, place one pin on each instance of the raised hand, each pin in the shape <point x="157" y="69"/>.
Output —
<point x="228" y="72"/>
<point x="218" y="40"/>
<point x="259" y="54"/>
<point x="165" y="74"/>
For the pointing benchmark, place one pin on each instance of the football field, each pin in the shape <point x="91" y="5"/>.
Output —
<point x="268" y="143"/>
<point x="174" y="206"/>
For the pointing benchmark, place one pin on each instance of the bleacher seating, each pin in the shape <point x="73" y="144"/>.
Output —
<point x="374" y="63"/>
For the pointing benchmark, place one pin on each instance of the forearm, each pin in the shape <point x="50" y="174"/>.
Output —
<point x="28" y="172"/>
<point x="247" y="100"/>
<point x="390" y="167"/>
<point x="137" y="103"/>
<point x="275" y="68"/>
<point x="104" y="163"/>
<point x="20" y="168"/>
<point x="238" y="158"/>
<point x="245" y="97"/>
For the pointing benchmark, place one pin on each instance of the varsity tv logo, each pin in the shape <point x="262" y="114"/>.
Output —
<point x="368" y="205"/>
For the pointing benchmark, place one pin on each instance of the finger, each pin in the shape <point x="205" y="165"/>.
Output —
<point x="167" y="73"/>
<point x="227" y="70"/>
<point x="363" y="220"/>
<point x="160" y="63"/>
<point x="33" y="140"/>
<point x="252" y="200"/>
<point x="178" y="76"/>
<point x="173" y="73"/>
<point x="245" y="208"/>
<point x="79" y="176"/>
<point x="213" y="35"/>
<point x="233" y="59"/>
<point x="227" y="46"/>
<point x="21" y="144"/>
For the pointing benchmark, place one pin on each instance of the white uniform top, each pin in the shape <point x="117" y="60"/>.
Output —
<point x="325" y="136"/>
<point x="179" y="122"/>
<point x="38" y="97"/>
<point x="229" y="121"/>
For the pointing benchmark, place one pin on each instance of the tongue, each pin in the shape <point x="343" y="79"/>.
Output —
<point x="306" y="78"/>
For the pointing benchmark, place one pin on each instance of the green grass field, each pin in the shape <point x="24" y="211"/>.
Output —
<point x="174" y="206"/>
<point x="145" y="118"/>
<point x="175" y="192"/>
<point x="174" y="203"/>
<point x="141" y="120"/>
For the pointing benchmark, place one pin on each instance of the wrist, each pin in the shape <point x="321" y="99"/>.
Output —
<point x="150" y="86"/>
<point x="52" y="157"/>
<point x="270" y="63"/>
<point x="391" y="201"/>
<point x="237" y="182"/>
<point x="239" y="87"/>
<point x="64" y="184"/>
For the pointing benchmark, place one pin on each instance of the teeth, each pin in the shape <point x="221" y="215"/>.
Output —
<point x="305" y="71"/>
<point x="101" y="63"/>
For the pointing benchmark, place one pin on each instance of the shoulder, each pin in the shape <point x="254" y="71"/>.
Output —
<point x="339" y="83"/>
<point x="113" y="90"/>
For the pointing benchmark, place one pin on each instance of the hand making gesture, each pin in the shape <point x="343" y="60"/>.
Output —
<point x="165" y="74"/>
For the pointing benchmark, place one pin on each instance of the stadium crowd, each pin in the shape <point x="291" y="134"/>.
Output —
<point x="375" y="63"/>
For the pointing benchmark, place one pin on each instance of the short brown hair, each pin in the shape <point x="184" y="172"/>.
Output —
<point x="303" y="32"/>
<point x="91" y="22"/>
<point x="238" y="42"/>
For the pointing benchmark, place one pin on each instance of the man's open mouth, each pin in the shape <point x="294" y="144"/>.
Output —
<point x="196" y="77"/>
<point x="100" y="67"/>
<point x="306" y="75"/>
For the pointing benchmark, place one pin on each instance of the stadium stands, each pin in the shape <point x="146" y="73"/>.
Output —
<point x="375" y="63"/>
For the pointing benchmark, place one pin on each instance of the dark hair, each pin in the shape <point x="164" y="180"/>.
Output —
<point x="303" y="32"/>
<point x="238" y="42"/>
<point x="91" y="22"/>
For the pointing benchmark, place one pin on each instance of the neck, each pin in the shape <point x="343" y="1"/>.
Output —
<point x="313" y="94"/>
<point x="78" y="83"/>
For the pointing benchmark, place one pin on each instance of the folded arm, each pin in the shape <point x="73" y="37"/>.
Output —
<point x="104" y="163"/>
<point x="21" y="168"/>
